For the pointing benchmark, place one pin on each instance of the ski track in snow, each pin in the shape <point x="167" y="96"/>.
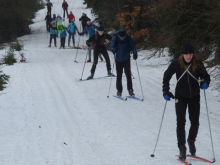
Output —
<point x="49" y="118"/>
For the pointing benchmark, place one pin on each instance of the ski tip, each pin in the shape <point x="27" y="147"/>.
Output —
<point x="152" y="155"/>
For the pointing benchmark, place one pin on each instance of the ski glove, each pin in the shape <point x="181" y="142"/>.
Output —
<point x="168" y="96"/>
<point x="88" y="44"/>
<point x="135" y="56"/>
<point x="113" y="50"/>
<point x="204" y="86"/>
<point x="80" y="34"/>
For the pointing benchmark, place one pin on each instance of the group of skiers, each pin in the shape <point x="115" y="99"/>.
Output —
<point x="187" y="67"/>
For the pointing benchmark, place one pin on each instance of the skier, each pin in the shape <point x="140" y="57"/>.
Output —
<point x="121" y="45"/>
<point x="54" y="18"/>
<point x="49" y="5"/>
<point x="72" y="28"/>
<point x="48" y="20"/>
<point x="90" y="28"/>
<point x="65" y="6"/>
<point x="83" y="20"/>
<point x="59" y="18"/>
<point x="71" y="17"/>
<point x="53" y="33"/>
<point x="98" y="40"/>
<point x="62" y="30"/>
<point x="188" y="70"/>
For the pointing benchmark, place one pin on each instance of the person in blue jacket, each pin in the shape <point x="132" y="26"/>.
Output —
<point x="72" y="28"/>
<point x="121" y="46"/>
<point x="53" y="33"/>
<point x="90" y="28"/>
<point x="62" y="30"/>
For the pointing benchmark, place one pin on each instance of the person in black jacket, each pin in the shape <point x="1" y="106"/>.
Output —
<point x="98" y="40"/>
<point x="48" y="20"/>
<point x="49" y="5"/>
<point x="83" y="20"/>
<point x="188" y="70"/>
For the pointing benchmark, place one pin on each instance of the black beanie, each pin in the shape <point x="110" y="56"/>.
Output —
<point x="122" y="34"/>
<point x="187" y="48"/>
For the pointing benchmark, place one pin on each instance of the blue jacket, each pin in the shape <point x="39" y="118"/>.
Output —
<point x="52" y="31"/>
<point x="90" y="28"/>
<point x="123" y="47"/>
<point x="72" y="27"/>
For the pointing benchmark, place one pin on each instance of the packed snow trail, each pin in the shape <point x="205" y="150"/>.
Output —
<point x="47" y="117"/>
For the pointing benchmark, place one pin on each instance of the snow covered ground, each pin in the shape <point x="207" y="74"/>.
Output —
<point x="48" y="118"/>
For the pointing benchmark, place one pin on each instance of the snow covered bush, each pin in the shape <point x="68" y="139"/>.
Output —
<point x="9" y="58"/>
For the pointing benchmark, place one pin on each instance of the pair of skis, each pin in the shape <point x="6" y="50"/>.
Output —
<point x="128" y="97"/>
<point x="194" y="157"/>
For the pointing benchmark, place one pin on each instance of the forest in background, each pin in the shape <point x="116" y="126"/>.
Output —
<point x="159" y="24"/>
<point x="16" y="16"/>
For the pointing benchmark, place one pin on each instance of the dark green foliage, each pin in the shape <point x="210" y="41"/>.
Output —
<point x="16" y="16"/>
<point x="3" y="80"/>
<point x="9" y="58"/>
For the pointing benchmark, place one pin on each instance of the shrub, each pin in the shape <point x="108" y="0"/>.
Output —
<point x="9" y="58"/>
<point x="3" y="80"/>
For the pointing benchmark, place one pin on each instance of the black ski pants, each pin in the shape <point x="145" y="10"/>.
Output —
<point x="64" y="13"/>
<point x="63" y="39"/>
<point x="194" y="112"/>
<point x="127" y="68"/>
<point x="105" y="55"/>
<point x="48" y="26"/>
<point x="53" y="36"/>
<point x="49" y="10"/>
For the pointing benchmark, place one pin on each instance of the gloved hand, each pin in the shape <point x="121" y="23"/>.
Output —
<point x="204" y="86"/>
<point x="135" y="56"/>
<point x="88" y="44"/>
<point x="80" y="34"/>
<point x="113" y="50"/>
<point x="168" y="95"/>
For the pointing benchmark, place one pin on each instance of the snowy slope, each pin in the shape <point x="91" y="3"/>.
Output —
<point x="47" y="117"/>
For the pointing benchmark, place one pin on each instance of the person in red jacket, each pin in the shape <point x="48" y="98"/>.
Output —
<point x="71" y="17"/>
<point x="65" y="6"/>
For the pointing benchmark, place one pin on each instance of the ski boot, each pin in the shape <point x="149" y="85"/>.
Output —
<point x="119" y="94"/>
<point x="49" y="45"/>
<point x="63" y="47"/>
<point x="131" y="93"/>
<point x="89" y="60"/>
<point x="182" y="155"/>
<point x="110" y="74"/>
<point x="68" y="44"/>
<point x="74" y="45"/>
<point x="91" y="76"/>
<point x="55" y="45"/>
<point x="192" y="147"/>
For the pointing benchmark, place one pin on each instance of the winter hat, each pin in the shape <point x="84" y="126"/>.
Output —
<point x="101" y="28"/>
<point x="88" y="19"/>
<point x="58" y="15"/>
<point x="122" y="34"/>
<point x="72" y="20"/>
<point x="187" y="48"/>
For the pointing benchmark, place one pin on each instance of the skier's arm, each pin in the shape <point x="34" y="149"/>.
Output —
<point x="84" y="31"/>
<point x="76" y="29"/>
<point x="80" y="19"/>
<point x="73" y="17"/>
<point x="131" y="45"/>
<point x="203" y="74"/>
<point x="108" y="37"/>
<point x="113" y="44"/>
<point x="90" y="40"/>
<point x="166" y="78"/>
<point x="66" y="29"/>
<point x="96" y="27"/>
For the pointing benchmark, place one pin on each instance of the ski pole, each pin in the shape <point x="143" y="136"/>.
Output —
<point x="152" y="155"/>
<point x="77" y="50"/>
<point x="140" y="81"/>
<point x="209" y="128"/>
<point x="111" y="77"/>
<point x="84" y="66"/>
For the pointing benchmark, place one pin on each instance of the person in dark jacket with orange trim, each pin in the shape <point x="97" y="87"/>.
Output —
<point x="98" y="40"/>
<point x="188" y="70"/>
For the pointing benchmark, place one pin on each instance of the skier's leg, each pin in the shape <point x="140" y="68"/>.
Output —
<point x="73" y="35"/>
<point x="119" y="69"/>
<point x="127" y="68"/>
<point x="181" y="105"/>
<point x="194" y="113"/>
<point x="51" y="37"/>
<point x="90" y="52"/>
<point x="95" y="61"/>
<point x="55" y="39"/>
<point x="105" y="55"/>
